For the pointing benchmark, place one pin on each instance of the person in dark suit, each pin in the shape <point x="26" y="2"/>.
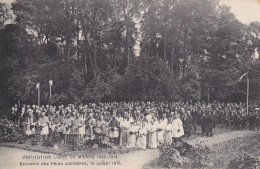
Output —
<point x="209" y="124"/>
<point x="252" y="120"/>
<point x="113" y="128"/>
<point x="187" y="124"/>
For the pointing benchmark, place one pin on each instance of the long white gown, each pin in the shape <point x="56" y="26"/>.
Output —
<point x="82" y="128"/>
<point x="160" y="131"/>
<point x="153" y="135"/>
<point x="177" y="128"/>
<point x="44" y="121"/>
<point x="125" y="125"/>
<point x="131" y="138"/>
<point x="141" y="139"/>
<point x="168" y="134"/>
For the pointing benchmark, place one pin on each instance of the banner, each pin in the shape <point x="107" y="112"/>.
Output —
<point x="50" y="82"/>
<point x="37" y="85"/>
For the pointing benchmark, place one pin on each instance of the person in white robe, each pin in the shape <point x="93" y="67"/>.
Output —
<point x="124" y="126"/>
<point x="120" y="119"/>
<point x="30" y="122"/>
<point x="57" y="125"/>
<point x="67" y="123"/>
<point x="141" y="139"/>
<point x="148" y="117"/>
<point x="177" y="128"/>
<point x="131" y="135"/>
<point x="160" y="131"/>
<point x="43" y="122"/>
<point x="80" y="123"/>
<point x="168" y="133"/>
<point x="153" y="134"/>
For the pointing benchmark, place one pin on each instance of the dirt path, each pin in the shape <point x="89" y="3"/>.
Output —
<point x="11" y="158"/>
<point x="217" y="139"/>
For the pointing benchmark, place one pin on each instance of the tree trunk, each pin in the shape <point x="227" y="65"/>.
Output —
<point x="78" y="40"/>
<point x="85" y="69"/>
<point x="172" y="55"/>
<point x="68" y="50"/>
<point x="208" y="95"/>
<point x="94" y="59"/>
<point x="165" y="47"/>
<point x="165" y="34"/>
<point x="115" y="64"/>
<point x="127" y="32"/>
<point x="91" y="62"/>
<point x="184" y="54"/>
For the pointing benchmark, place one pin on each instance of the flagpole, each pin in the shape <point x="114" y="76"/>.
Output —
<point x="39" y="96"/>
<point x="50" y="83"/>
<point x="50" y="91"/>
<point x="247" y="93"/>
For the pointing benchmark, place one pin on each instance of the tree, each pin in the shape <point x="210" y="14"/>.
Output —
<point x="147" y="78"/>
<point x="5" y="15"/>
<point x="190" y="50"/>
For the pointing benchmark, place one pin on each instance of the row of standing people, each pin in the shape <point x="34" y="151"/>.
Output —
<point x="146" y="132"/>
<point x="77" y="119"/>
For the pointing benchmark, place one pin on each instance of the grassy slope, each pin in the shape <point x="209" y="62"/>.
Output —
<point x="222" y="153"/>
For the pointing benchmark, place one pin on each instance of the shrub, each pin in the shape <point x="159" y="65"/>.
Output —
<point x="170" y="156"/>
<point x="244" y="161"/>
<point x="179" y="154"/>
<point x="10" y="132"/>
<point x="36" y="138"/>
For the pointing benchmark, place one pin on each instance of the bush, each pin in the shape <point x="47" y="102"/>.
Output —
<point x="179" y="154"/>
<point x="10" y="132"/>
<point x="244" y="161"/>
<point x="170" y="156"/>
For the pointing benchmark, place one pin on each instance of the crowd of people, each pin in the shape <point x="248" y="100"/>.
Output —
<point x="133" y="124"/>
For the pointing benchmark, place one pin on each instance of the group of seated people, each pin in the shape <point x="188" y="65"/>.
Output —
<point x="135" y="124"/>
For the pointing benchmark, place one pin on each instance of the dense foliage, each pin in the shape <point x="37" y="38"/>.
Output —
<point x="183" y="154"/>
<point x="123" y="50"/>
<point x="149" y="79"/>
<point x="245" y="161"/>
<point x="10" y="132"/>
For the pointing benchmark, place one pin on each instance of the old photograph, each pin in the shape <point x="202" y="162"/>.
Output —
<point x="129" y="84"/>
